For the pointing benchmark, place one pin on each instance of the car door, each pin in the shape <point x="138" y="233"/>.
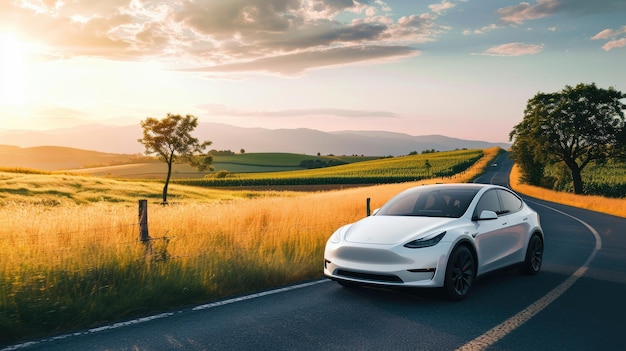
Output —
<point x="497" y="240"/>
<point x="487" y="231"/>
<point x="517" y="227"/>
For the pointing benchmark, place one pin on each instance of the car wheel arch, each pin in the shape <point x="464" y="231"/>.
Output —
<point x="467" y="243"/>
<point x="538" y="233"/>
<point x="456" y="280"/>
<point x="534" y="254"/>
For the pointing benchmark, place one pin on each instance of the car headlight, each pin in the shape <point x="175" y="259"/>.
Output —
<point x="425" y="242"/>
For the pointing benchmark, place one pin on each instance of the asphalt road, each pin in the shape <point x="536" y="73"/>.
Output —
<point x="577" y="302"/>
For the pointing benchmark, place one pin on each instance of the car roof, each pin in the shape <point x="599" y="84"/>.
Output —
<point x="478" y="187"/>
<point x="460" y="185"/>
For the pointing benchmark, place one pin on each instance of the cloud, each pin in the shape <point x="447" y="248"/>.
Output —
<point x="292" y="64"/>
<point x="482" y="30"/>
<point x="513" y="49"/>
<point x="524" y="11"/>
<point x="605" y="34"/>
<point x="218" y="109"/>
<point x="223" y="33"/>
<point x="518" y="14"/>
<point x="614" y="44"/>
<point x="329" y="112"/>
<point x="441" y="7"/>
<point x="609" y="34"/>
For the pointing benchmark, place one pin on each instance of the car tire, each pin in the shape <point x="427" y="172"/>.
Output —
<point x="460" y="273"/>
<point x="534" y="256"/>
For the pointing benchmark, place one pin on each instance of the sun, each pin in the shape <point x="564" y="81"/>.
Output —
<point x="12" y="70"/>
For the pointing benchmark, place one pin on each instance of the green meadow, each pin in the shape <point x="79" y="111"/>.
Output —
<point x="379" y="171"/>
<point x="147" y="168"/>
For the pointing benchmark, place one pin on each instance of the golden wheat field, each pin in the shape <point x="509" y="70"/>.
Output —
<point x="77" y="263"/>
<point x="73" y="237"/>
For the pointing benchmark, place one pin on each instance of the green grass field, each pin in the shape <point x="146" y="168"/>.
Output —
<point x="238" y="163"/>
<point x="385" y="170"/>
<point x="283" y="159"/>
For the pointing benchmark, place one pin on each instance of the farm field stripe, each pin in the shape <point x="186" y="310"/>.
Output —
<point x="503" y="329"/>
<point x="165" y="315"/>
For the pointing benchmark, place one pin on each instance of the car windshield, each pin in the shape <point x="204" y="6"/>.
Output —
<point x="430" y="202"/>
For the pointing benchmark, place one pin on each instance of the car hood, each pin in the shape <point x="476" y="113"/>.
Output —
<point x="386" y="230"/>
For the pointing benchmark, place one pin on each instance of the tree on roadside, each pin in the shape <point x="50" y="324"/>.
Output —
<point x="575" y="126"/>
<point x="170" y="139"/>
<point x="531" y="170"/>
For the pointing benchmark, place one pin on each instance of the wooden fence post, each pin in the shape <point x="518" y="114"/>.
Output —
<point x="367" y="206"/>
<point x="143" y="223"/>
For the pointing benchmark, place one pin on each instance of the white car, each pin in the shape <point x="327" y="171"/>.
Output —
<point x="437" y="236"/>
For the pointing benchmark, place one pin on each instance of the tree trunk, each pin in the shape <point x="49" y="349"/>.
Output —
<point x="167" y="181"/>
<point x="578" y="180"/>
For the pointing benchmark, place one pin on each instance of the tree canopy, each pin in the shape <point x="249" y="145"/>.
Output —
<point x="576" y="126"/>
<point x="170" y="139"/>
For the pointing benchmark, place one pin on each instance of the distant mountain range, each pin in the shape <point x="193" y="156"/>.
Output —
<point x="123" y="140"/>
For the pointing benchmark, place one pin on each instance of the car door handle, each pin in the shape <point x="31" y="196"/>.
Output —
<point x="505" y="223"/>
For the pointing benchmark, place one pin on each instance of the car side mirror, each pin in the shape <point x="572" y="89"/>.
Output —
<point x="487" y="215"/>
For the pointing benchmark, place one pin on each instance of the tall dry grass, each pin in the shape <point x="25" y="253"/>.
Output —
<point x="69" y="266"/>
<point x="616" y="207"/>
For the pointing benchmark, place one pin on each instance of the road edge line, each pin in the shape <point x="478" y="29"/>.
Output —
<point x="163" y="315"/>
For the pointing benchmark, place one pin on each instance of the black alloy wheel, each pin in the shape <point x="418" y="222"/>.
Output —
<point x="534" y="256"/>
<point x="460" y="273"/>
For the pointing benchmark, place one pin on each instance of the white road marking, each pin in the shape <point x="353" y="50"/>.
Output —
<point x="165" y="315"/>
<point x="261" y="294"/>
<point x="503" y="329"/>
<point x="90" y="331"/>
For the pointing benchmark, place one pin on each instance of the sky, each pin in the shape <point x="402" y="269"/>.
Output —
<point x="459" y="68"/>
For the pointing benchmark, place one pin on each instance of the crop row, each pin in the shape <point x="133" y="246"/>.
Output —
<point x="607" y="180"/>
<point x="388" y="170"/>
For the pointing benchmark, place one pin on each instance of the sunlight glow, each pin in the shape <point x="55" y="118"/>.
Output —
<point x="12" y="70"/>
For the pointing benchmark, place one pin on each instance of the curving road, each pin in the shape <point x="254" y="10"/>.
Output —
<point x="577" y="302"/>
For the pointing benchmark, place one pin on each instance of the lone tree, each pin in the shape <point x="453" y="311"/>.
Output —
<point x="171" y="140"/>
<point x="575" y="126"/>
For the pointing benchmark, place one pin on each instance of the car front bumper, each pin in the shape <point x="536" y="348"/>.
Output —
<point x="388" y="266"/>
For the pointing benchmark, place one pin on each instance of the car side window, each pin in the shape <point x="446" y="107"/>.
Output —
<point x="489" y="201"/>
<point x="510" y="202"/>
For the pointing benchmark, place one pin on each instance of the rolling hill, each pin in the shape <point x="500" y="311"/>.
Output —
<point x="123" y="140"/>
<point x="59" y="158"/>
<point x="51" y="158"/>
